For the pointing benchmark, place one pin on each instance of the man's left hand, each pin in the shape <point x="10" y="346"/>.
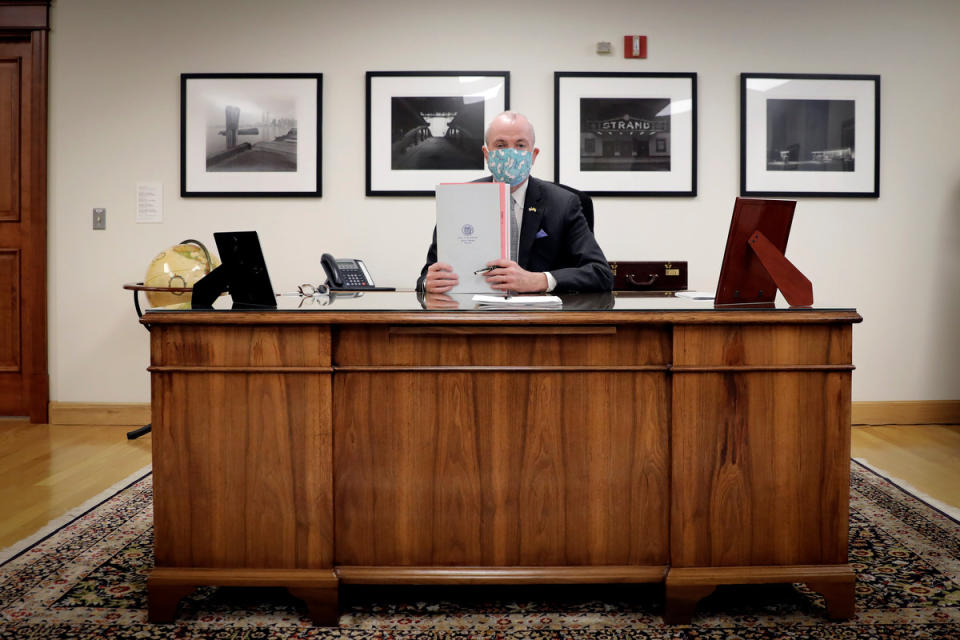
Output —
<point x="509" y="276"/>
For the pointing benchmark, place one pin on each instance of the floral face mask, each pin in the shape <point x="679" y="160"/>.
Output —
<point x="509" y="165"/>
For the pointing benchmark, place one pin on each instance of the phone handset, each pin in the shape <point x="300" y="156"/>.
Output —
<point x="329" y="263"/>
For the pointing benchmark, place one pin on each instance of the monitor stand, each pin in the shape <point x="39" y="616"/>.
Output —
<point x="209" y="287"/>
<point x="227" y="279"/>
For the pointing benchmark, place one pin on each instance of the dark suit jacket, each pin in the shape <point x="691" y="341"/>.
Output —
<point x="566" y="248"/>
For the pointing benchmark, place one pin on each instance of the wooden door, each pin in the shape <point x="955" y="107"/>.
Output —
<point x="24" y="385"/>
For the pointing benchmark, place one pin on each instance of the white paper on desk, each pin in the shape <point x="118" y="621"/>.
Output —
<point x="472" y="230"/>
<point x="518" y="301"/>
<point x="694" y="295"/>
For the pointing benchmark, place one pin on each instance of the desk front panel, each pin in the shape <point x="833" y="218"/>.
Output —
<point x="761" y="445"/>
<point x="242" y="447"/>
<point x="501" y="468"/>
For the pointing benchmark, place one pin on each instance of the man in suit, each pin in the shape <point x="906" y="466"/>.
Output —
<point x="554" y="249"/>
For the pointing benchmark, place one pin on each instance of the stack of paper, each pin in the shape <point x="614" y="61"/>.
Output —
<point x="694" y="295"/>
<point x="539" y="302"/>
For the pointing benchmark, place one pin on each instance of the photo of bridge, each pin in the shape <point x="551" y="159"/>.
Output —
<point x="436" y="132"/>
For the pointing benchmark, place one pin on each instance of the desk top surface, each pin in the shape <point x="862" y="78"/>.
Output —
<point x="408" y="306"/>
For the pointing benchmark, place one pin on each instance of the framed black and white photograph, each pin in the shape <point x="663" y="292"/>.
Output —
<point x="626" y="134"/>
<point x="255" y="134"/>
<point x="427" y="127"/>
<point x="809" y="135"/>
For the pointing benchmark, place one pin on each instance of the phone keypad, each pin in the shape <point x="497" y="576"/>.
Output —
<point x="353" y="278"/>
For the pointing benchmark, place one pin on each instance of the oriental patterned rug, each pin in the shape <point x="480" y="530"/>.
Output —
<point x="87" y="580"/>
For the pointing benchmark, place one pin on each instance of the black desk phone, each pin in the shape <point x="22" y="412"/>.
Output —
<point x="348" y="275"/>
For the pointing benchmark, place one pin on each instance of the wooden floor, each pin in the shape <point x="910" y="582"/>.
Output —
<point x="46" y="470"/>
<point x="924" y="455"/>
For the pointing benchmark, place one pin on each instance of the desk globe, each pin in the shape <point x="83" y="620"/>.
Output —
<point x="178" y="267"/>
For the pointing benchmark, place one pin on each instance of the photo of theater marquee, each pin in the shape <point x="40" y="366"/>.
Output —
<point x="625" y="134"/>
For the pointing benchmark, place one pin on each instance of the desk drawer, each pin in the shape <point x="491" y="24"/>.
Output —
<point x="240" y="346"/>
<point x="601" y="346"/>
<point x="762" y="345"/>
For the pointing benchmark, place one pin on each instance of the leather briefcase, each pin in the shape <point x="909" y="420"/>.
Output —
<point x="649" y="276"/>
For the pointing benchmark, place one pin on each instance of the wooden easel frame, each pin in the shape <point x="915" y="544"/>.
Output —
<point x="754" y="265"/>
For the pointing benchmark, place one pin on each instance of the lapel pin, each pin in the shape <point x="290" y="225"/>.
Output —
<point x="534" y="209"/>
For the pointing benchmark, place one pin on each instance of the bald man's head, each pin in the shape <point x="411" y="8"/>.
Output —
<point x="513" y="125"/>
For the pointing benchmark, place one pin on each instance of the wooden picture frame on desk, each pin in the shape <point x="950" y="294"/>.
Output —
<point x="754" y="265"/>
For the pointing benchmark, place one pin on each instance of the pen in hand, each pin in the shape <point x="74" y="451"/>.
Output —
<point x="483" y="270"/>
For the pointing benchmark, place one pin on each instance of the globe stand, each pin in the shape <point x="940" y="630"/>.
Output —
<point x="136" y="288"/>
<point x="140" y="431"/>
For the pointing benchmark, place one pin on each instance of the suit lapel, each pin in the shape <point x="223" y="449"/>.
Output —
<point x="532" y="212"/>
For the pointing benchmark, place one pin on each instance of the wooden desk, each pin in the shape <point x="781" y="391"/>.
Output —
<point x="371" y="441"/>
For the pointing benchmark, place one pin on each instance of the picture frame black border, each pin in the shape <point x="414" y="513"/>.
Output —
<point x="184" y="77"/>
<point x="632" y="193"/>
<point x="369" y="82"/>
<point x="875" y="78"/>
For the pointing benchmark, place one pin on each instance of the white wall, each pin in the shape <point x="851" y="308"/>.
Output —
<point x="114" y="121"/>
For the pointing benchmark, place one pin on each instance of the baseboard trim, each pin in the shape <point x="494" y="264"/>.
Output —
<point x="100" y="413"/>
<point x="862" y="413"/>
<point x="906" y="412"/>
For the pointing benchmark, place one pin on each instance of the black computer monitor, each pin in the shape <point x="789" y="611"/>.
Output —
<point x="243" y="273"/>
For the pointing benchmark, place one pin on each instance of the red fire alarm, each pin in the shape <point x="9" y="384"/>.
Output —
<point x="634" y="46"/>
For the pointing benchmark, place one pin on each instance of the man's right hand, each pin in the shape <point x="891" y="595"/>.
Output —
<point x="440" y="278"/>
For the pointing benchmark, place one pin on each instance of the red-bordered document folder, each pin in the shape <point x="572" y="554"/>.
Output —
<point x="473" y="228"/>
